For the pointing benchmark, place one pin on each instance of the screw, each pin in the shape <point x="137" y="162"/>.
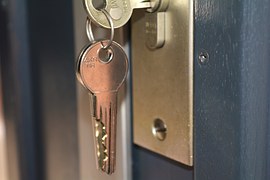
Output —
<point x="203" y="57"/>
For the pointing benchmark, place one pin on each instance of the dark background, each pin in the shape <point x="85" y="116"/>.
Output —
<point x="231" y="92"/>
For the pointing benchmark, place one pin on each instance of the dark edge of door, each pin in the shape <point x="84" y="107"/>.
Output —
<point x="37" y="67"/>
<point x="232" y="90"/>
<point x="17" y="92"/>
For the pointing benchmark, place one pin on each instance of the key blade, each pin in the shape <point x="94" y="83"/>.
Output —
<point x="141" y="4"/>
<point x="105" y="130"/>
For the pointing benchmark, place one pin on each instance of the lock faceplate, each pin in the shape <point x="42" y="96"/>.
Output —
<point x="163" y="84"/>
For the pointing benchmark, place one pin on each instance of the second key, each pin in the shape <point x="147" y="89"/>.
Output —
<point x="102" y="71"/>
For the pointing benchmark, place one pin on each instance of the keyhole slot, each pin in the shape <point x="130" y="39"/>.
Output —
<point x="99" y="4"/>
<point x="105" y="55"/>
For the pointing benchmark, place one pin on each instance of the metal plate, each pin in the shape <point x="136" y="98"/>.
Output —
<point x="163" y="84"/>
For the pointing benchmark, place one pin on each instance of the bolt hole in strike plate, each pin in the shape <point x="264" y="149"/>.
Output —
<point x="159" y="129"/>
<point x="162" y="78"/>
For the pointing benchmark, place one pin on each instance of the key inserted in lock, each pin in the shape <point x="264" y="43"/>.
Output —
<point x="120" y="10"/>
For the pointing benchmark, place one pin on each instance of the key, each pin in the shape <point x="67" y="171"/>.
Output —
<point x="102" y="72"/>
<point x="120" y="11"/>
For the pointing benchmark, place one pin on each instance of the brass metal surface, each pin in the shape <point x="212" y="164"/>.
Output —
<point x="155" y="29"/>
<point x="163" y="83"/>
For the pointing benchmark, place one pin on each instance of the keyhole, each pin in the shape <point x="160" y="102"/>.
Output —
<point x="99" y="4"/>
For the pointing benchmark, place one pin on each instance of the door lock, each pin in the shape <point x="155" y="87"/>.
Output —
<point x="162" y="56"/>
<point x="163" y="80"/>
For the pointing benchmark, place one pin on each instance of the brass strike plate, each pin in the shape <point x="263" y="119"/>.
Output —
<point x="163" y="84"/>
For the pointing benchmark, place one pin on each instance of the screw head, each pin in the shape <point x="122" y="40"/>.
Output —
<point x="203" y="57"/>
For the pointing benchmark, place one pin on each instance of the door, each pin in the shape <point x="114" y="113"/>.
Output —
<point x="47" y="112"/>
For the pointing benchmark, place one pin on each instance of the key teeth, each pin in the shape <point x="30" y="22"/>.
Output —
<point x="104" y="162"/>
<point x="105" y="112"/>
<point x="102" y="152"/>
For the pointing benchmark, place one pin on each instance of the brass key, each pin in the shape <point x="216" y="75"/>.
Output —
<point x="102" y="72"/>
<point x="120" y="11"/>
